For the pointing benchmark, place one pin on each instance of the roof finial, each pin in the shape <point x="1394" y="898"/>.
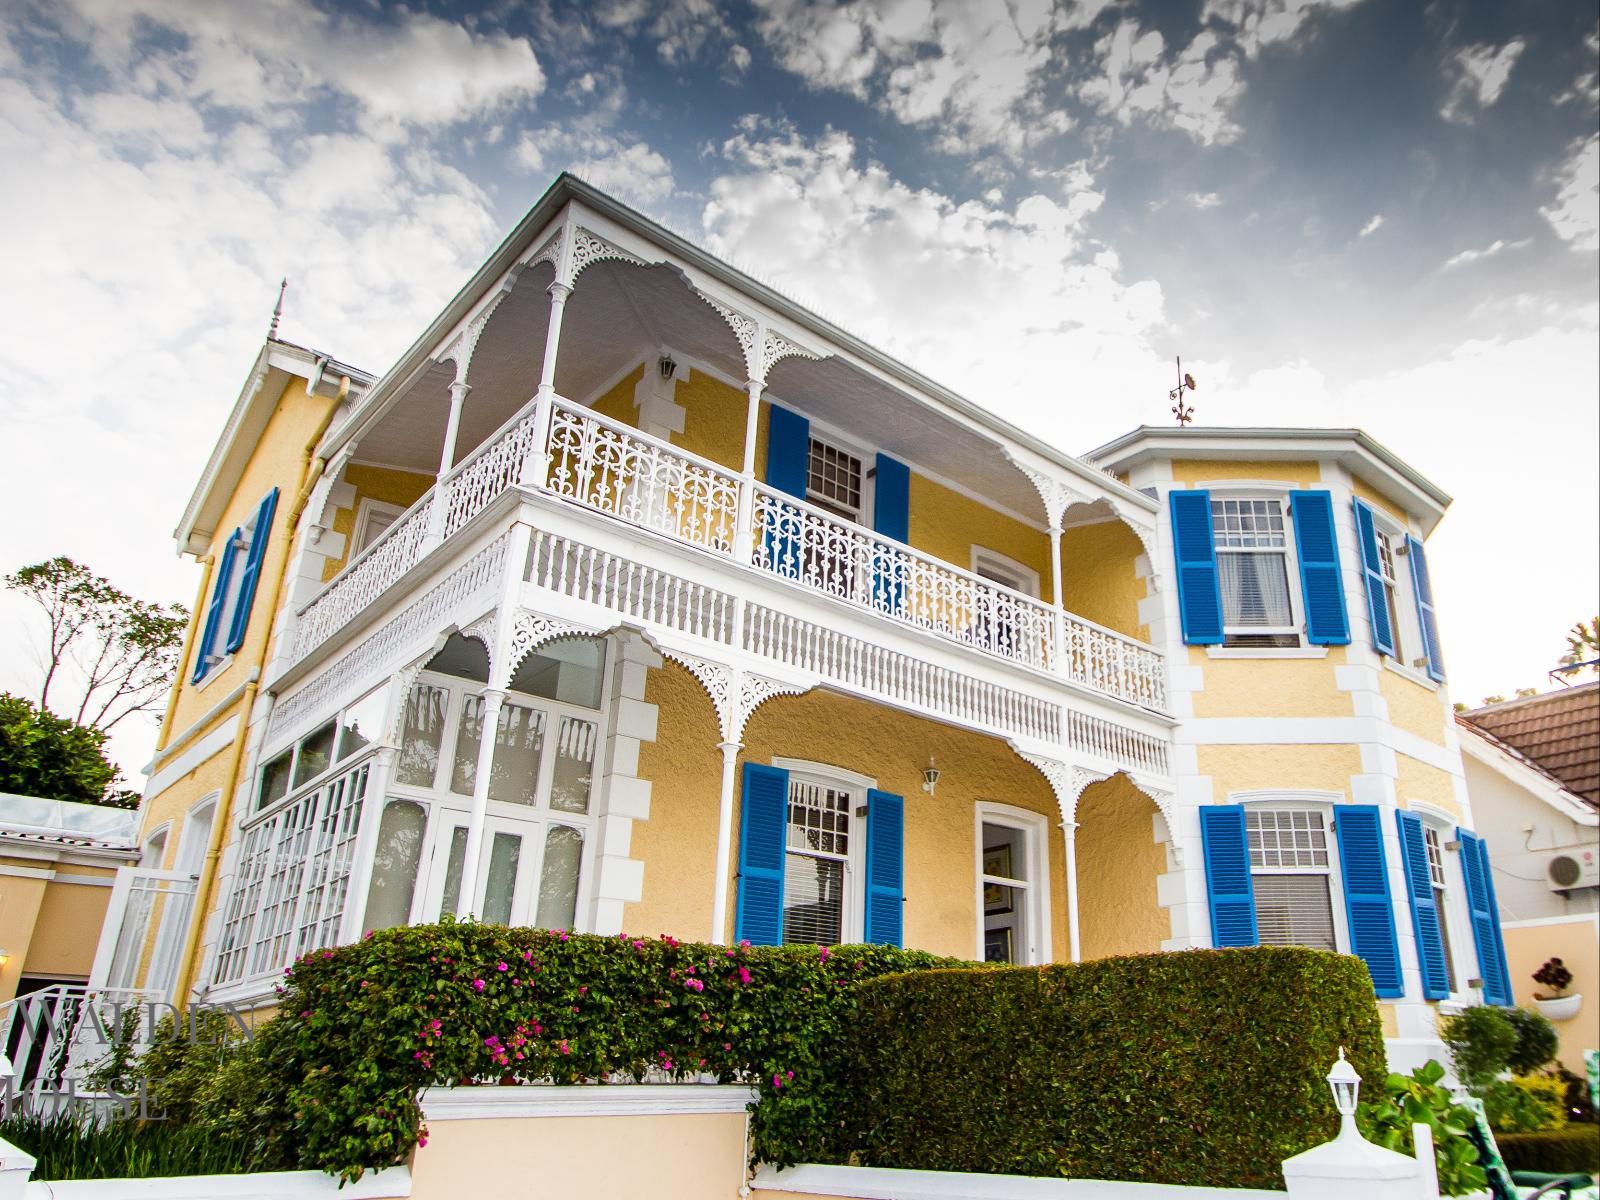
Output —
<point x="1186" y="383"/>
<point x="277" y="312"/>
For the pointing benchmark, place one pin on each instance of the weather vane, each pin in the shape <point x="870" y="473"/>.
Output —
<point x="1186" y="383"/>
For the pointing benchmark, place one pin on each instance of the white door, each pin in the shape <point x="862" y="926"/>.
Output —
<point x="506" y="866"/>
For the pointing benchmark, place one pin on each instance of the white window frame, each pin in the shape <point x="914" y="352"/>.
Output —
<point x="1284" y="497"/>
<point x="1035" y="828"/>
<point x="1454" y="917"/>
<point x="1409" y="651"/>
<point x="365" y="511"/>
<point x="852" y="922"/>
<point x="162" y="833"/>
<point x="1016" y="576"/>
<point x="867" y="456"/>
<point x="1307" y="801"/>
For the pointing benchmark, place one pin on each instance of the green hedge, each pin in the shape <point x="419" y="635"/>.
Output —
<point x="332" y="1081"/>
<point x="1202" y="1067"/>
<point x="1572" y="1148"/>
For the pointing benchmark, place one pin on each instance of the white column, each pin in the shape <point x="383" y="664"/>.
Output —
<point x="452" y="426"/>
<point x="540" y="460"/>
<point x="1069" y="836"/>
<point x="1058" y="619"/>
<point x="719" y="889"/>
<point x="378" y="776"/>
<point x="747" y="474"/>
<point x="488" y="724"/>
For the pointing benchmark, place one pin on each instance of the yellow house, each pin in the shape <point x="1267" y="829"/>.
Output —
<point x="782" y="641"/>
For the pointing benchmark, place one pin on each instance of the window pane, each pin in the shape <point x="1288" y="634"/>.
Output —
<point x="558" y="883"/>
<point x="518" y="745"/>
<point x="452" y="871"/>
<point x="819" y="818"/>
<point x="274" y="781"/>
<point x="316" y="753"/>
<point x="1294" y="910"/>
<point x="1255" y="589"/>
<point x="469" y="740"/>
<point x="363" y="722"/>
<point x="569" y="670"/>
<point x="501" y="882"/>
<point x="1002" y="923"/>
<point x="813" y="900"/>
<point x="394" y="865"/>
<point x="1286" y="839"/>
<point x="835" y="476"/>
<point x="574" y="766"/>
<point x="422" y="735"/>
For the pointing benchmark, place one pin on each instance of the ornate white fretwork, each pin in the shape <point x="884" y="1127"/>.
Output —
<point x="463" y="345"/>
<point x="550" y="252"/>
<point x="589" y="248"/>
<point x="762" y="347"/>
<point x="1055" y="492"/>
<point x="1066" y="781"/>
<point x="734" y="694"/>
<point x="484" y="629"/>
<point x="774" y="347"/>
<point x="530" y="630"/>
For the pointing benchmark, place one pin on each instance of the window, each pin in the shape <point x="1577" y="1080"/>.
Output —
<point x="1252" y="544"/>
<point x="353" y="730"/>
<point x="373" y="519"/>
<point x="816" y="866"/>
<point x="1289" y="872"/>
<point x="833" y="479"/>
<point x="238" y="565"/>
<point x="1436" y="874"/>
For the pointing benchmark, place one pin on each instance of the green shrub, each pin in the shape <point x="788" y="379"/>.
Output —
<point x="1419" y="1098"/>
<point x="1537" y="1040"/>
<point x="1481" y="1041"/>
<point x="1571" y="1148"/>
<point x="1525" y="1104"/>
<point x="1205" y="1067"/>
<point x="71" y="1146"/>
<point x="333" y="1080"/>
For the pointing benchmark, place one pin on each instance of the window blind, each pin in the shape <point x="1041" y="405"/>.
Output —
<point x="1294" y="910"/>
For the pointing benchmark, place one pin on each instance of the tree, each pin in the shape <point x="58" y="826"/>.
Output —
<point x="1583" y="648"/>
<point x="42" y="754"/>
<point x="121" y="651"/>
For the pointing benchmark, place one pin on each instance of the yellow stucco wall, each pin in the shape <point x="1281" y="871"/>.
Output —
<point x="1251" y="768"/>
<point x="385" y="484"/>
<point x="20" y="899"/>
<point x="1422" y="783"/>
<point x="948" y="524"/>
<point x="1270" y="687"/>
<point x="1098" y="580"/>
<point x="1119" y="860"/>
<point x="678" y="842"/>
<point x="1381" y="503"/>
<point x="699" y="1156"/>
<point x="1576" y="942"/>
<point x="1190" y="472"/>
<point x="68" y="926"/>
<point x="1416" y="707"/>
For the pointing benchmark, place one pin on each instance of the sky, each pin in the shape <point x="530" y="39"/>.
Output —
<point x="1338" y="212"/>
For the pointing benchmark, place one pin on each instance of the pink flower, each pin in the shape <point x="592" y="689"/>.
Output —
<point x="477" y="985"/>
<point x="501" y="967"/>
<point x="824" y="950"/>
<point x="744" y="974"/>
<point x="777" y="1081"/>
<point x="563" y="935"/>
<point x="565" y="1049"/>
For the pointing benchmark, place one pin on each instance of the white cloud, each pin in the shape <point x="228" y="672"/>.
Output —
<point x="1014" y="306"/>
<point x="623" y="166"/>
<point x="1192" y="93"/>
<point x="968" y="70"/>
<point x="1259" y="23"/>
<point x="1489" y="251"/>
<point x="1575" y="215"/>
<point x="1481" y="74"/>
<point x="1372" y="226"/>
<point x="1204" y="199"/>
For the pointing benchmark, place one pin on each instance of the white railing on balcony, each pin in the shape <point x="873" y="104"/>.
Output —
<point x="607" y="466"/>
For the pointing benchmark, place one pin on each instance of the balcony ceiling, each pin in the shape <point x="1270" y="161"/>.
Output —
<point x="619" y="314"/>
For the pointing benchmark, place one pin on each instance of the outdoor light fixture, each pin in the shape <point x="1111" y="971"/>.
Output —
<point x="1346" y="1085"/>
<point x="666" y="366"/>
<point x="930" y="776"/>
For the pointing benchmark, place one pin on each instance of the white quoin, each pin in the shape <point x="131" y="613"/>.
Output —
<point x="1350" y="1165"/>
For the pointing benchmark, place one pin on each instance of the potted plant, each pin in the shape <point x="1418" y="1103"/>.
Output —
<point x="1558" y="1006"/>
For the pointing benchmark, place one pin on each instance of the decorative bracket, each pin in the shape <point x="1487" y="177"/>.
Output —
<point x="529" y="631"/>
<point x="1055" y="493"/>
<point x="1066" y="781"/>
<point x="588" y="249"/>
<point x="462" y="346"/>
<point x="735" y="694"/>
<point x="763" y="347"/>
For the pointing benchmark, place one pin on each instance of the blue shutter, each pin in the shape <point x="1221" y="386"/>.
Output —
<point x="1199" y="596"/>
<point x="1423" y="587"/>
<point x="1485" y="919"/>
<point x="252" y="569"/>
<point x="1425" y="915"/>
<point x="788" y="450"/>
<point x="885" y="868"/>
<point x="1321" y="583"/>
<point x="891" y="516"/>
<point x="788" y="456"/>
<point x="219" y="594"/>
<point x="1372" y="573"/>
<point x="758" y="917"/>
<point x="1228" y="890"/>
<point x="1367" y="904"/>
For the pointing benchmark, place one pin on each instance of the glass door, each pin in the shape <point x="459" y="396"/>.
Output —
<point x="504" y="891"/>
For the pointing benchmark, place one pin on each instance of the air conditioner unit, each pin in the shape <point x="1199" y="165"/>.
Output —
<point x="1573" y="867"/>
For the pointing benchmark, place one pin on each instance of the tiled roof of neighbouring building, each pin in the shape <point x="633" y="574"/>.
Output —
<point x="1559" y="732"/>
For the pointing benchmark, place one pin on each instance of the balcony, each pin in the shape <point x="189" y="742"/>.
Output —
<point x="589" y="463"/>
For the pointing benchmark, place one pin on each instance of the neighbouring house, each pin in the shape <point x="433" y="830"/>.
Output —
<point x="1533" y="776"/>
<point x="779" y="640"/>
<point x="58" y="865"/>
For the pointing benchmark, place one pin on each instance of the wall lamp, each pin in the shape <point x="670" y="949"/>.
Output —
<point x="930" y="776"/>
<point x="666" y="366"/>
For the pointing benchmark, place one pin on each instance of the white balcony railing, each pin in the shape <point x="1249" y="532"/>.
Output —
<point x="607" y="467"/>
